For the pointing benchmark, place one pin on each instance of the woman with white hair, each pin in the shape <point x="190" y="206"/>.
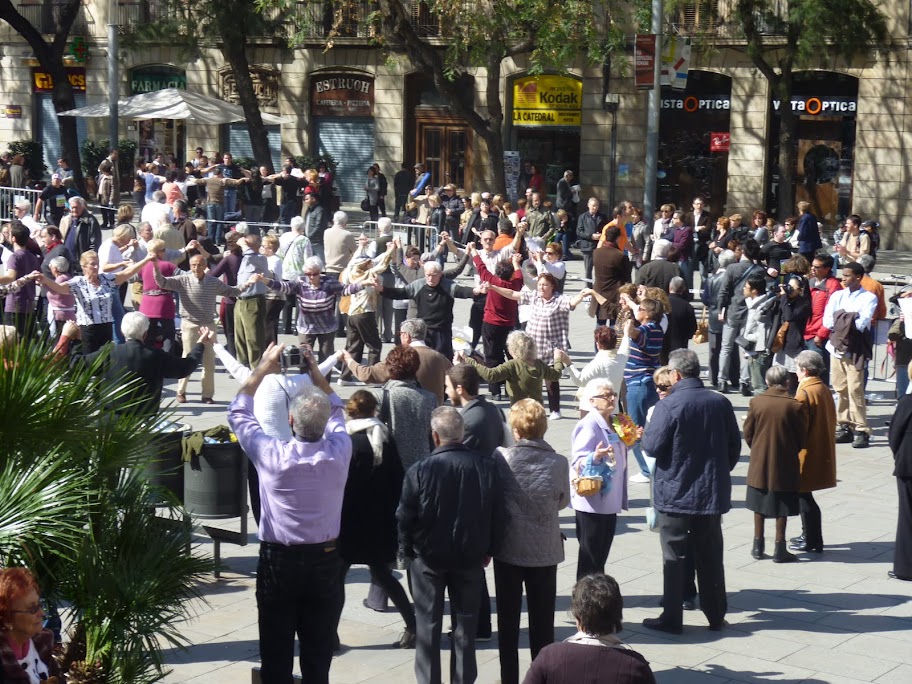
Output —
<point x="524" y="372"/>
<point x="597" y="448"/>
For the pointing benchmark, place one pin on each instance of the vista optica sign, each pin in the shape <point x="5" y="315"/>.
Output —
<point x="547" y="100"/>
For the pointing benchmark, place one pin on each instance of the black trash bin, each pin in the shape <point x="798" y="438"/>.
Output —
<point x="166" y="467"/>
<point x="214" y="482"/>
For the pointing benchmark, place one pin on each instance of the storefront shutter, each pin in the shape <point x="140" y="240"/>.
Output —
<point x="351" y="143"/>
<point x="239" y="142"/>
<point x="49" y="129"/>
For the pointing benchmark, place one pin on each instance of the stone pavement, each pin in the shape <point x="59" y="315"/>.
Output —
<point x="831" y="618"/>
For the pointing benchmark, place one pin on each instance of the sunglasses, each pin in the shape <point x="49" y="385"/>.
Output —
<point x="663" y="388"/>
<point x="606" y="396"/>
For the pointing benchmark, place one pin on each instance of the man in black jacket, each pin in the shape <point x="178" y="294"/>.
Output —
<point x="450" y="522"/>
<point x="135" y="359"/>
<point x="682" y="321"/>
<point x="589" y="231"/>
<point x="402" y="183"/>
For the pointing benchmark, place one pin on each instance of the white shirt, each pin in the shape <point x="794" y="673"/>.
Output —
<point x="109" y="253"/>
<point x="861" y="301"/>
<point x="605" y="364"/>
<point x="155" y="213"/>
<point x="274" y="395"/>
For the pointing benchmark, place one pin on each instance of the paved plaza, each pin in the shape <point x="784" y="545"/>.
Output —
<point x="831" y="618"/>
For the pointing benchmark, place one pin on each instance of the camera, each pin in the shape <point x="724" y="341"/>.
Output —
<point x="293" y="357"/>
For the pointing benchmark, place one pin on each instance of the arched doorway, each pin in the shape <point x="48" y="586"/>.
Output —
<point x="826" y="104"/>
<point x="694" y="124"/>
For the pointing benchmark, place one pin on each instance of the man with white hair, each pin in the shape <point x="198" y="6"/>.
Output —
<point x="434" y="297"/>
<point x="295" y="249"/>
<point x="156" y="212"/>
<point x="135" y="359"/>
<point x="302" y="482"/>
<point x="250" y="308"/>
<point x="450" y="521"/>
<point x="659" y="272"/>
<point x="81" y="231"/>
<point x="339" y="245"/>
<point x="22" y="211"/>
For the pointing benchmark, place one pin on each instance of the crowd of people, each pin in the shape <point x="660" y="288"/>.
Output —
<point x="427" y="471"/>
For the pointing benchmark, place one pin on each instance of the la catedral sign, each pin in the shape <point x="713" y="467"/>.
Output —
<point x="547" y="100"/>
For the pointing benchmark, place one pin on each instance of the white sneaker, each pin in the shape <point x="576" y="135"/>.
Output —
<point x="555" y="415"/>
<point x="639" y="478"/>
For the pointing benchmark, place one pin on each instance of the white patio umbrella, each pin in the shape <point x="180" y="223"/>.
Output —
<point x="172" y="103"/>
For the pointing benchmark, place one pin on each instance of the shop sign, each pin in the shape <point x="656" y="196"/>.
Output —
<point x="824" y="105"/>
<point x="150" y="79"/>
<point x="719" y="142"/>
<point x="691" y="103"/>
<point x="265" y="86"/>
<point x="43" y="83"/>
<point x="79" y="50"/>
<point x="341" y="94"/>
<point x="644" y="52"/>
<point x="12" y="111"/>
<point x="547" y="100"/>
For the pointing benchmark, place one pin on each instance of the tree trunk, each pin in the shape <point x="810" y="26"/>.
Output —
<point x="50" y="59"/>
<point x="788" y="132"/>
<point x="236" y="56"/>
<point x="493" y="136"/>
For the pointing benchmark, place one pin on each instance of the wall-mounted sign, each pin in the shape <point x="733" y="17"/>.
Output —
<point x="12" y="111"/>
<point x="43" y="83"/>
<point x="265" y="86"/>
<point x="79" y="50"/>
<point x="824" y="105"/>
<point x="547" y="100"/>
<point x="155" y="77"/>
<point x="691" y="103"/>
<point x="342" y="94"/>
<point x="719" y="142"/>
<point x="644" y="54"/>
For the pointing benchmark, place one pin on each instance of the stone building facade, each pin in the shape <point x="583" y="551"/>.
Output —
<point x="717" y="136"/>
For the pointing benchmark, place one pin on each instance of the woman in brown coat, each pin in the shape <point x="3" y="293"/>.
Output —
<point x="774" y="420"/>
<point x="818" y="458"/>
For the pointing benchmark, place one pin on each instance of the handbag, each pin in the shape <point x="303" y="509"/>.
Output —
<point x="365" y="204"/>
<point x="587" y="486"/>
<point x="702" y="333"/>
<point x="779" y="342"/>
<point x="745" y="344"/>
<point x="345" y="304"/>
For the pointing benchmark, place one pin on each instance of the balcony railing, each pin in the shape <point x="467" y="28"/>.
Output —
<point x="717" y="18"/>
<point x="45" y="16"/>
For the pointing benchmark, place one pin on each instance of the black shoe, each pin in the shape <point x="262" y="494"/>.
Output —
<point x="689" y="604"/>
<point x="893" y="575"/>
<point x="862" y="441"/>
<point x="843" y="435"/>
<point x="717" y="625"/>
<point x="746" y="390"/>
<point x="757" y="550"/>
<point x="660" y="625"/>
<point x="406" y="640"/>
<point x="378" y="610"/>
<point x="724" y="387"/>
<point x="483" y="636"/>
<point x="782" y="554"/>
<point x="806" y="548"/>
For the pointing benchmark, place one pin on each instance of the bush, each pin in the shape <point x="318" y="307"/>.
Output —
<point x="245" y="162"/>
<point x="33" y="151"/>
<point x="310" y="161"/>
<point x="94" y="151"/>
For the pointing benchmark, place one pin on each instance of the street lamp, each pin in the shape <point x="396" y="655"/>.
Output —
<point x="113" y="120"/>
<point x="612" y="103"/>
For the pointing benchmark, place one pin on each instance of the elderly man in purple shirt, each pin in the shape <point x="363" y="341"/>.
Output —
<point x="301" y="486"/>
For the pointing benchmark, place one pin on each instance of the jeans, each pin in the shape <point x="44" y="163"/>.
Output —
<point x="759" y="364"/>
<point x="902" y="380"/>
<point x="494" y="340"/>
<point x="230" y="200"/>
<point x="728" y="351"/>
<point x="215" y="214"/>
<point x="464" y="588"/>
<point x="362" y="332"/>
<point x="298" y="592"/>
<point x="286" y="213"/>
<point x="641" y="396"/>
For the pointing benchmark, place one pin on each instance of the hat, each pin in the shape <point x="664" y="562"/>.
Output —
<point x="56" y="176"/>
<point x="309" y="191"/>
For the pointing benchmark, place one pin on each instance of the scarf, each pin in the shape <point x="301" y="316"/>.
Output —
<point x="606" y="640"/>
<point x="376" y="431"/>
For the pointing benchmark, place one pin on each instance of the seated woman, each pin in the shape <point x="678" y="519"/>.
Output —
<point x="524" y="373"/>
<point x="593" y="655"/>
<point x="25" y="646"/>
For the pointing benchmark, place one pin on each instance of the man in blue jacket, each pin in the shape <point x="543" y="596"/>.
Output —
<point x="696" y="441"/>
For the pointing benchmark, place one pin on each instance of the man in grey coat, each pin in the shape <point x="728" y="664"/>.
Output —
<point x="695" y="438"/>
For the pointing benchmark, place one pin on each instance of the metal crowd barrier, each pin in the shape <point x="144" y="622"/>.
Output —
<point x="424" y="238"/>
<point x="9" y="197"/>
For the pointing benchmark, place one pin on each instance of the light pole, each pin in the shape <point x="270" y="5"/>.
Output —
<point x="611" y="104"/>
<point x="113" y="120"/>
